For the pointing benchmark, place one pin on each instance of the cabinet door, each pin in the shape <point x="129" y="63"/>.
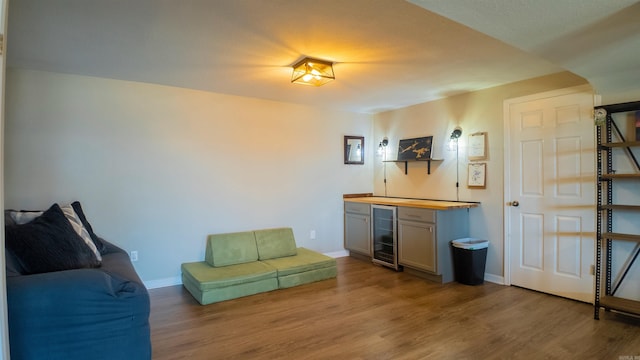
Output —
<point x="417" y="245"/>
<point x="357" y="233"/>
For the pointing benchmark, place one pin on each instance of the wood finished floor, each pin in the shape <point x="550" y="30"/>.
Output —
<point x="370" y="312"/>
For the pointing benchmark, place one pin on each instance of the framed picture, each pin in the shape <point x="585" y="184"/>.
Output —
<point x="478" y="146"/>
<point x="415" y="149"/>
<point x="477" y="175"/>
<point x="354" y="150"/>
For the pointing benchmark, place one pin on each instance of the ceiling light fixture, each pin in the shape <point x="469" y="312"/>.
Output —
<point x="310" y="71"/>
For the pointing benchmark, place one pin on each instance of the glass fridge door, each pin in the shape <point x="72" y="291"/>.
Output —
<point x="384" y="236"/>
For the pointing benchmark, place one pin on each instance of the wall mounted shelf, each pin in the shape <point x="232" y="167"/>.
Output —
<point x="406" y="163"/>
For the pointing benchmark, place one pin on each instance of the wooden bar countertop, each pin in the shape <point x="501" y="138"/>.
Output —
<point x="416" y="203"/>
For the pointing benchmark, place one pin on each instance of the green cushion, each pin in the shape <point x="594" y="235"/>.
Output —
<point x="207" y="277"/>
<point x="305" y="260"/>
<point x="307" y="277"/>
<point x="275" y="243"/>
<point x="231" y="249"/>
<point x="229" y="292"/>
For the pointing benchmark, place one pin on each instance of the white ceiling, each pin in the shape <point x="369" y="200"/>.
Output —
<point x="596" y="39"/>
<point x="388" y="53"/>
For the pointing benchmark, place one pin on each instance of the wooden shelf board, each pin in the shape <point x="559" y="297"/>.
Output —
<point x="622" y="144"/>
<point x="621" y="207"/>
<point x="618" y="236"/>
<point x="620" y="176"/>
<point x="347" y="196"/>
<point x="620" y="304"/>
<point x="416" y="203"/>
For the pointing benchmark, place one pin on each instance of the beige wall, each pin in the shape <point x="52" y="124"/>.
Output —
<point x="158" y="168"/>
<point x="480" y="111"/>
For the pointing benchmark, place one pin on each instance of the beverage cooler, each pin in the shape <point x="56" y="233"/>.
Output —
<point x="385" y="239"/>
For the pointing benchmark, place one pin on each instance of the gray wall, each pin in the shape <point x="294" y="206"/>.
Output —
<point x="158" y="168"/>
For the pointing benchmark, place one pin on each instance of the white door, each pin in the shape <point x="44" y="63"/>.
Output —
<point x="551" y="192"/>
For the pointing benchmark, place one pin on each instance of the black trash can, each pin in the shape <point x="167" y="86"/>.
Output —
<point x="469" y="260"/>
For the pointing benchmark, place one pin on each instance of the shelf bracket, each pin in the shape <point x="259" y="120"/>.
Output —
<point x="406" y="164"/>
<point x="406" y="167"/>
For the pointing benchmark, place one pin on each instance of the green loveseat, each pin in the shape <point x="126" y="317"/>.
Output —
<point x="251" y="262"/>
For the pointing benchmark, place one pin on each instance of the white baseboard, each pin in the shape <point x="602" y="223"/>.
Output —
<point x="154" y="284"/>
<point x="494" y="279"/>
<point x="338" y="254"/>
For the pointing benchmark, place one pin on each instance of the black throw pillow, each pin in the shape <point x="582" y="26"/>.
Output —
<point x="48" y="243"/>
<point x="96" y="239"/>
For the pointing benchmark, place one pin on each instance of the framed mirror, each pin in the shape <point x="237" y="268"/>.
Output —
<point x="354" y="150"/>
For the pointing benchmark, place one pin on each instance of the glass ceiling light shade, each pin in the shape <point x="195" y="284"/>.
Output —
<point x="314" y="72"/>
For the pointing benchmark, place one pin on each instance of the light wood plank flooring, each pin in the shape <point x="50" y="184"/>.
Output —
<point x="370" y="312"/>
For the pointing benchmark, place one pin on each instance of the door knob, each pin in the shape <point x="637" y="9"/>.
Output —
<point x="515" y="203"/>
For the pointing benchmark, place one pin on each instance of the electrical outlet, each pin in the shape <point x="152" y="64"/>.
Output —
<point x="134" y="255"/>
<point x="312" y="234"/>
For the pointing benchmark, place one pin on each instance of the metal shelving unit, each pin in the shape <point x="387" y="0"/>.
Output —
<point x="608" y="179"/>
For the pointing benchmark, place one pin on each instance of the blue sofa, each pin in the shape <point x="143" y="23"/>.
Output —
<point x="100" y="312"/>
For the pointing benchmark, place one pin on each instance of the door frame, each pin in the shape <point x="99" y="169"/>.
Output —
<point x="4" y="317"/>
<point x="507" y="161"/>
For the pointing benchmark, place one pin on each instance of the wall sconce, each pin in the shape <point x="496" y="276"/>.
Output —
<point x="453" y="139"/>
<point x="382" y="150"/>
<point x="456" y="133"/>
<point x="310" y="71"/>
<point x="382" y="146"/>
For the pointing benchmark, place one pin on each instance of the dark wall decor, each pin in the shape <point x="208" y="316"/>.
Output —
<point x="415" y="149"/>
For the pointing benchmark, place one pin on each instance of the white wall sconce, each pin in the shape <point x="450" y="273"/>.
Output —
<point x="309" y="71"/>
